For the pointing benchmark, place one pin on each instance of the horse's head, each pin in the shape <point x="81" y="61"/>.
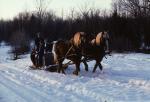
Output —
<point x="102" y="39"/>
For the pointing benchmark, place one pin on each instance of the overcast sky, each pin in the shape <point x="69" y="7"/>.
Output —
<point x="10" y="8"/>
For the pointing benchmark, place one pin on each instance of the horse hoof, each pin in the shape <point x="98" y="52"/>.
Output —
<point x="75" y="73"/>
<point x="93" y="71"/>
<point x="86" y="70"/>
<point x="58" y="71"/>
<point x="64" y="73"/>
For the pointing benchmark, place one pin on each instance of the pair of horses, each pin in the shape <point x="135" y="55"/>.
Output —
<point x="81" y="48"/>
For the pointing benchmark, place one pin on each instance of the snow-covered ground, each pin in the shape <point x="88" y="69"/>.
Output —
<point x="126" y="78"/>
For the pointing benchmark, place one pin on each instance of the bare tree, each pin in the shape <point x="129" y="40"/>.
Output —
<point x="41" y="6"/>
<point x="20" y="43"/>
<point x="146" y="7"/>
<point x="134" y="7"/>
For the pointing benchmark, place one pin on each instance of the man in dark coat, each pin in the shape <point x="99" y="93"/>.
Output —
<point x="41" y="53"/>
<point x="40" y="47"/>
<point x="38" y="40"/>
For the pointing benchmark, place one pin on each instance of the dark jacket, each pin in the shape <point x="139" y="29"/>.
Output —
<point x="38" y="41"/>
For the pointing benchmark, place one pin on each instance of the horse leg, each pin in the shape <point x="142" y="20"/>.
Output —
<point x="85" y="64"/>
<point x="96" y="65"/>
<point x="77" y="64"/>
<point x="100" y="66"/>
<point x="37" y="61"/>
<point x="40" y="60"/>
<point x="59" y="67"/>
<point x="62" y="69"/>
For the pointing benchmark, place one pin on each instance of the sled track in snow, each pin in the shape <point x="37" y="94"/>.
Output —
<point x="26" y="93"/>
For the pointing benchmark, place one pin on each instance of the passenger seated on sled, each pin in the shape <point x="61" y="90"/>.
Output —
<point x="41" y="53"/>
<point x="40" y="46"/>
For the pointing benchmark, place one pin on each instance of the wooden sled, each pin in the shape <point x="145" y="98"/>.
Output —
<point x="48" y="62"/>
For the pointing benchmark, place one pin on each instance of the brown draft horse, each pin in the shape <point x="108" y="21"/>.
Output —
<point x="71" y="50"/>
<point x="64" y="50"/>
<point x="95" y="49"/>
<point x="79" y="41"/>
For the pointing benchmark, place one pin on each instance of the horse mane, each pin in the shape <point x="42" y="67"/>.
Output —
<point x="77" y="38"/>
<point x="93" y="42"/>
<point x="53" y="51"/>
<point x="98" y="38"/>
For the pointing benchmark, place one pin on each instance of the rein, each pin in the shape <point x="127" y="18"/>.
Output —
<point x="69" y="50"/>
<point x="66" y="55"/>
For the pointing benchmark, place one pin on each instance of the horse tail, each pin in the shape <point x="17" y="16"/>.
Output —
<point x="54" y="51"/>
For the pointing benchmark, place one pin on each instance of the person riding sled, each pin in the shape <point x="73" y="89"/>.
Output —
<point x="40" y="46"/>
<point x="38" y="40"/>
